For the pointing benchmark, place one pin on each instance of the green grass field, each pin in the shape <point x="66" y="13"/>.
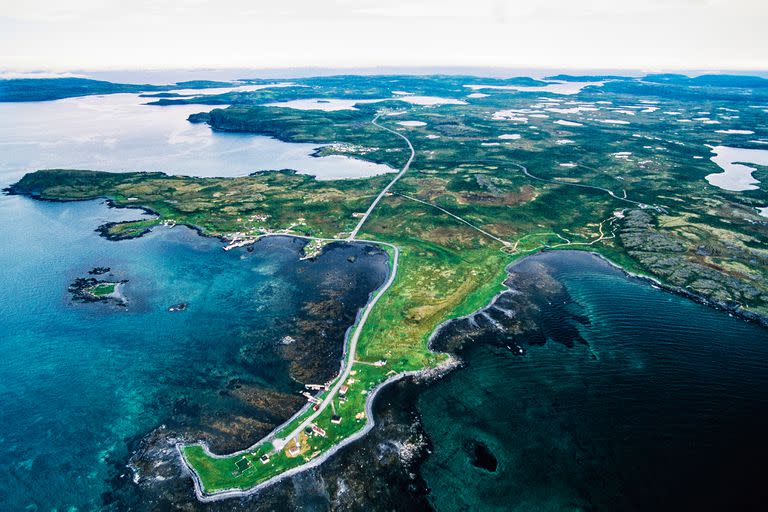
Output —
<point x="102" y="289"/>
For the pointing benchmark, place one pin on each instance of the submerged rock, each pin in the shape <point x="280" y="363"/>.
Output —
<point x="481" y="456"/>
<point x="182" y="306"/>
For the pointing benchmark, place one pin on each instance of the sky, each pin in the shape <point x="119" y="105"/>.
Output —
<point x="653" y="35"/>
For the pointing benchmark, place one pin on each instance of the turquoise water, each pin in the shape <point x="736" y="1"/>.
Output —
<point x="628" y="398"/>
<point x="659" y="404"/>
<point x="78" y="380"/>
<point x="79" y="383"/>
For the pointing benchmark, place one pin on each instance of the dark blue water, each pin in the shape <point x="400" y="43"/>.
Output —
<point x="657" y="404"/>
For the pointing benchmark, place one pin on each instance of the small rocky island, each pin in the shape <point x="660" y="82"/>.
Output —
<point x="91" y="289"/>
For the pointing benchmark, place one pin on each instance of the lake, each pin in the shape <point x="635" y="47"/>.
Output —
<point x="118" y="132"/>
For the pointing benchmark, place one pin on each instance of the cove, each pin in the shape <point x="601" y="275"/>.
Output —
<point x="627" y="398"/>
<point x="77" y="381"/>
<point x="118" y="132"/>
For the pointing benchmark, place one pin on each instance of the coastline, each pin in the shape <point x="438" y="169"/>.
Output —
<point x="350" y="340"/>
<point x="747" y="316"/>
<point x="426" y="374"/>
<point x="444" y="368"/>
<point x="582" y="299"/>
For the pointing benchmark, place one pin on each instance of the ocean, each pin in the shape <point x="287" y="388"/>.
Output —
<point x="627" y="398"/>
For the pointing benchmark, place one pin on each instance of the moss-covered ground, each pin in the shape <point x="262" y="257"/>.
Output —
<point x="102" y="289"/>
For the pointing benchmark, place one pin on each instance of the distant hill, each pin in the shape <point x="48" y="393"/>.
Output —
<point x="743" y="81"/>
<point x="586" y="78"/>
<point x="43" y="89"/>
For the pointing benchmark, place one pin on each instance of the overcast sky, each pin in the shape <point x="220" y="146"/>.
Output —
<point x="635" y="34"/>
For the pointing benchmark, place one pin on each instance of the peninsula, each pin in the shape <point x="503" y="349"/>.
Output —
<point x="469" y="197"/>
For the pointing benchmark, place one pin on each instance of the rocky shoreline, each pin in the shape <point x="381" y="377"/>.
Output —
<point x="329" y="459"/>
<point x="381" y="468"/>
<point x="421" y="376"/>
<point x="347" y="462"/>
<point x="726" y="307"/>
<point x="81" y="288"/>
<point x="349" y="471"/>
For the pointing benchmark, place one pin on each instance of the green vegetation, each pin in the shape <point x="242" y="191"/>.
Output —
<point x="465" y="210"/>
<point x="126" y="230"/>
<point x="44" y="89"/>
<point x="102" y="289"/>
<point x="219" y="206"/>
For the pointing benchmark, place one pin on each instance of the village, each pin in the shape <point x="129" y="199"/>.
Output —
<point x="301" y="445"/>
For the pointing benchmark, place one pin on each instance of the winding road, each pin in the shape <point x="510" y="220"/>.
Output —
<point x="581" y="185"/>
<point x="351" y="341"/>
<point x="354" y="232"/>
<point x="351" y="346"/>
<point x="349" y="355"/>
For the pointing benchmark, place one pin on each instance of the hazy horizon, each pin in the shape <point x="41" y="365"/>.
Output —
<point x="551" y="34"/>
<point x="169" y="76"/>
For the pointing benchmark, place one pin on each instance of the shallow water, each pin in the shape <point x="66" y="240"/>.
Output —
<point x="655" y="398"/>
<point x="79" y="380"/>
<point x="658" y="404"/>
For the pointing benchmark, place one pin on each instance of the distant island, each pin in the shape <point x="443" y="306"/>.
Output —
<point x="46" y="89"/>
